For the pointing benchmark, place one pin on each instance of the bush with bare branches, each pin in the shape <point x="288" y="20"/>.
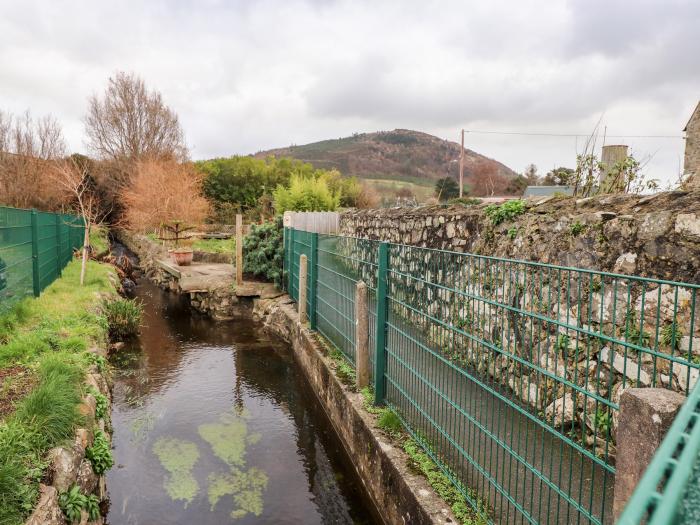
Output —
<point x="162" y="191"/>
<point x="29" y="149"/>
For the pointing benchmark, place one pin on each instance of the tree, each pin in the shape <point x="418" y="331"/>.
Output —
<point x="559" y="177"/>
<point x="531" y="175"/>
<point x="446" y="188"/>
<point x="28" y="150"/>
<point x="130" y="122"/>
<point x="72" y="176"/>
<point x="305" y="194"/>
<point x="163" y="191"/>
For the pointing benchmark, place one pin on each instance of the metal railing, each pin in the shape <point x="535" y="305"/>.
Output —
<point x="508" y="373"/>
<point x="35" y="246"/>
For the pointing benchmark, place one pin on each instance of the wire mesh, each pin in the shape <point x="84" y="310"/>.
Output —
<point x="508" y="372"/>
<point x="34" y="247"/>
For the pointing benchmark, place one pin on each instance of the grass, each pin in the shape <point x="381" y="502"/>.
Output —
<point x="123" y="317"/>
<point x="215" y="245"/>
<point x="48" y="337"/>
<point x="98" y="239"/>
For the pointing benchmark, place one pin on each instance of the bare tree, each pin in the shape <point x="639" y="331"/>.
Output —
<point x="131" y="123"/>
<point x="28" y="148"/>
<point x="73" y="178"/>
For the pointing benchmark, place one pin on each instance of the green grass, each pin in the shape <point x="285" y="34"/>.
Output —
<point x="123" y="317"/>
<point x="98" y="239"/>
<point x="50" y="335"/>
<point x="215" y="245"/>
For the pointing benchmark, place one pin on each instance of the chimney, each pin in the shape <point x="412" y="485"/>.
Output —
<point x="611" y="155"/>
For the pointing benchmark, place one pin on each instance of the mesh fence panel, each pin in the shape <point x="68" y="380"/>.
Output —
<point x="508" y="373"/>
<point x="34" y="247"/>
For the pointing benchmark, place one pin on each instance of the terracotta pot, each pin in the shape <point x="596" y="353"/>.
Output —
<point x="181" y="256"/>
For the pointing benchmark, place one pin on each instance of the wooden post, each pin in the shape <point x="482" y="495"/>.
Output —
<point x="461" y="167"/>
<point x="239" y="248"/>
<point x="302" y="288"/>
<point x="361" y="335"/>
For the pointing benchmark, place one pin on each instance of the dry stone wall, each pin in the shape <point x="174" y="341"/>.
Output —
<point x="567" y="343"/>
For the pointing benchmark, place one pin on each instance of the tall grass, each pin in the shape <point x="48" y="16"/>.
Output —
<point x="44" y="419"/>
<point x="49" y="334"/>
<point x="123" y="317"/>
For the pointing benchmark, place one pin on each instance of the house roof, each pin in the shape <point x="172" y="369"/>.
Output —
<point x="697" y="109"/>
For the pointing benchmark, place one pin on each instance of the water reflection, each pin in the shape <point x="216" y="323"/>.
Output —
<point x="214" y="424"/>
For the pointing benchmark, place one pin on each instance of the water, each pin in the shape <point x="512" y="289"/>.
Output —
<point x="214" y="423"/>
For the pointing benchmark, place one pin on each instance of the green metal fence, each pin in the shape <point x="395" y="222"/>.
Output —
<point x="34" y="248"/>
<point x="509" y="373"/>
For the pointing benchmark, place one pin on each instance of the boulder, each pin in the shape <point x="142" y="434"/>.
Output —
<point x="64" y="464"/>
<point x="561" y="411"/>
<point x="87" y="479"/>
<point x="627" y="367"/>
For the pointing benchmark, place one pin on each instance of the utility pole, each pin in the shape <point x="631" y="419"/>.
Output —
<point x="461" y="167"/>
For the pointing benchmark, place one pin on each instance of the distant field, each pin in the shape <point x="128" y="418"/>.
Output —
<point x="387" y="188"/>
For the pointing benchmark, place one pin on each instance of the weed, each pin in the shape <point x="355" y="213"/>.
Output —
<point x="97" y="360"/>
<point x="463" y="510"/>
<point x="92" y="507"/>
<point x="507" y="211"/>
<point x="671" y="335"/>
<point x="100" y="404"/>
<point x="513" y="233"/>
<point x="602" y="422"/>
<point x="576" y="228"/>
<point x="72" y="503"/>
<point x="390" y="422"/>
<point x="562" y="343"/>
<point x="123" y="317"/>
<point x="100" y="454"/>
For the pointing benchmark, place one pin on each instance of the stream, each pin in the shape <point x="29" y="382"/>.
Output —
<point x="214" y="423"/>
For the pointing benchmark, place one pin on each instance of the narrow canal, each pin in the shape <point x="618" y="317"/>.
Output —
<point x="213" y="424"/>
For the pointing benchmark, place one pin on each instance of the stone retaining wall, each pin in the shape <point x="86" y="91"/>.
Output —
<point x="68" y="465"/>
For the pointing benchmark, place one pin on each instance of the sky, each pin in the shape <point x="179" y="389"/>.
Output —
<point x="245" y="76"/>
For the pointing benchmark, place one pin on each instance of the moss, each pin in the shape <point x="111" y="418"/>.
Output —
<point x="246" y="487"/>
<point x="178" y="457"/>
<point x="229" y="438"/>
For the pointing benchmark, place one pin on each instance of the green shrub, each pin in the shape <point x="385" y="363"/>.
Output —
<point x="507" y="211"/>
<point x="72" y="503"/>
<point x="100" y="454"/>
<point x="305" y="194"/>
<point x="123" y="317"/>
<point x="576" y="228"/>
<point x="263" y="251"/>
<point x="389" y="422"/>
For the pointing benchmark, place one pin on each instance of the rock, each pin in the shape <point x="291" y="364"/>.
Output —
<point x="665" y="301"/>
<point x="64" y="464"/>
<point x="688" y="225"/>
<point x="614" y="305"/>
<point x="525" y="389"/>
<point x="685" y="345"/>
<point x="686" y="376"/>
<point x="561" y="411"/>
<point x="87" y="479"/>
<point x="654" y="225"/>
<point x="626" y="263"/>
<point x="47" y="511"/>
<point x="88" y="406"/>
<point x="627" y="367"/>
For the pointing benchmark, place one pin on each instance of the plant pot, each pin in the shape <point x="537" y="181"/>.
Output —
<point x="182" y="256"/>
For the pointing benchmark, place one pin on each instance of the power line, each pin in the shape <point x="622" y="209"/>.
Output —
<point x="571" y="135"/>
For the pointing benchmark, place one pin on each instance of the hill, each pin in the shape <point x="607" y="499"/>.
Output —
<point x="401" y="159"/>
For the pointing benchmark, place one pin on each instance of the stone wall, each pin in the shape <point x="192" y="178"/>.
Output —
<point x="653" y="236"/>
<point x="68" y="465"/>
<point x="691" y="164"/>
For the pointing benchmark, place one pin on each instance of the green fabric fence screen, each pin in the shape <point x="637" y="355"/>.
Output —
<point x="508" y="373"/>
<point x="35" y="246"/>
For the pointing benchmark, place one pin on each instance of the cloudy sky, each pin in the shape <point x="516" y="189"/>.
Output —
<point x="251" y="75"/>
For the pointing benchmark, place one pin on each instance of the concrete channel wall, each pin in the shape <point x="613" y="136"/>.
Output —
<point x="400" y="495"/>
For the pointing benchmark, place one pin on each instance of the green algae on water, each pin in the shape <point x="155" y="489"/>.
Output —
<point x="178" y="457"/>
<point x="229" y="438"/>
<point x="245" y="487"/>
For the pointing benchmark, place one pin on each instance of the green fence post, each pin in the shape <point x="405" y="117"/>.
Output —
<point x="290" y="263"/>
<point x="59" y="264"/>
<point x="313" y="280"/>
<point x="380" y="348"/>
<point x="35" y="255"/>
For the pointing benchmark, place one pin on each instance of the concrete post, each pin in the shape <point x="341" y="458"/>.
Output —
<point x="239" y="248"/>
<point x="645" y="416"/>
<point x="611" y="155"/>
<point x="302" y="288"/>
<point x="361" y="335"/>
